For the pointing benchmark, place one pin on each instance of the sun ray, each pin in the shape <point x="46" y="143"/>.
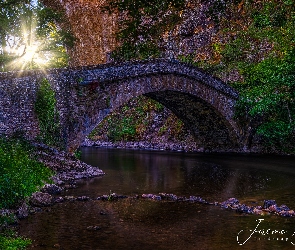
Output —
<point x="29" y="51"/>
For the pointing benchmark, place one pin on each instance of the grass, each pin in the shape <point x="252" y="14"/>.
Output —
<point x="9" y="241"/>
<point x="20" y="176"/>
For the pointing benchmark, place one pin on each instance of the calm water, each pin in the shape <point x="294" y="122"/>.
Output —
<point x="143" y="224"/>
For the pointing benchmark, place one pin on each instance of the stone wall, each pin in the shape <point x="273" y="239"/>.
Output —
<point x="17" y="95"/>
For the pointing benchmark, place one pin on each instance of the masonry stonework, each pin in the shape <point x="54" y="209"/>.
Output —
<point x="86" y="95"/>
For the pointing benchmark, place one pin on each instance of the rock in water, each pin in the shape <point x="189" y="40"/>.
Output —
<point x="51" y="189"/>
<point x="40" y="199"/>
<point x="268" y="203"/>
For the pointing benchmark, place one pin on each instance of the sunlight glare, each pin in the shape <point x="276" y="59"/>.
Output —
<point x="28" y="49"/>
<point x="30" y="53"/>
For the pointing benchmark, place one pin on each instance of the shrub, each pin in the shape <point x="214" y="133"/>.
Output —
<point x="20" y="174"/>
<point x="12" y="243"/>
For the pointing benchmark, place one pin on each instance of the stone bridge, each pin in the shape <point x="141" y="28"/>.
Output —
<point x="86" y="95"/>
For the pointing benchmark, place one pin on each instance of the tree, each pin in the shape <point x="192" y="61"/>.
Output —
<point x="261" y="48"/>
<point x="29" y="37"/>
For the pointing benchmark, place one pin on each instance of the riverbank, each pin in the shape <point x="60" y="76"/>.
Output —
<point x="19" y="197"/>
<point x="189" y="146"/>
<point x="85" y="211"/>
<point x="67" y="167"/>
<point x="67" y="170"/>
<point x="165" y="145"/>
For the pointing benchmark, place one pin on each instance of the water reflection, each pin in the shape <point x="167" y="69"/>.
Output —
<point x="143" y="224"/>
<point x="214" y="177"/>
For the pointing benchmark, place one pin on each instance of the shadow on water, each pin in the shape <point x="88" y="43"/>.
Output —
<point x="144" y="224"/>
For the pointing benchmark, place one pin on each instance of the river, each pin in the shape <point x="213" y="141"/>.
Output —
<point x="148" y="224"/>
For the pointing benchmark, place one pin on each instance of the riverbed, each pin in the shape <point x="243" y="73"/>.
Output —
<point x="149" y="224"/>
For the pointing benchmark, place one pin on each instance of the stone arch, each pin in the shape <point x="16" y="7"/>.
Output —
<point x="206" y="124"/>
<point x="205" y="105"/>
<point x="86" y="95"/>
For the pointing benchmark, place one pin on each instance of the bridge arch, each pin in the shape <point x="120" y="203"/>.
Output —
<point x="205" y="104"/>
<point x="86" y="95"/>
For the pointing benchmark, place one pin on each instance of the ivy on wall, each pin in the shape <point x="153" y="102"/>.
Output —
<point x="48" y="117"/>
<point x="142" y="24"/>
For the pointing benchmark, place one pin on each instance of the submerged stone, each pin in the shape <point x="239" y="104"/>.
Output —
<point x="93" y="228"/>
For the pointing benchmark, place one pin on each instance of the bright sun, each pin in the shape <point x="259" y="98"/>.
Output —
<point x="28" y="51"/>
<point x="28" y="55"/>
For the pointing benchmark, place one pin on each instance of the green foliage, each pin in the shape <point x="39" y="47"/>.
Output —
<point x="237" y="50"/>
<point x="259" y="45"/>
<point x="10" y="241"/>
<point x="129" y="123"/>
<point x="7" y="219"/>
<point x="29" y="37"/>
<point x="129" y="51"/>
<point x="132" y="122"/>
<point x="48" y="117"/>
<point x="20" y="174"/>
<point x="189" y="59"/>
<point x="174" y="127"/>
<point x="78" y="154"/>
<point x="13" y="243"/>
<point x="273" y="14"/>
<point x="144" y="24"/>
<point x="122" y="130"/>
<point x="269" y="92"/>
